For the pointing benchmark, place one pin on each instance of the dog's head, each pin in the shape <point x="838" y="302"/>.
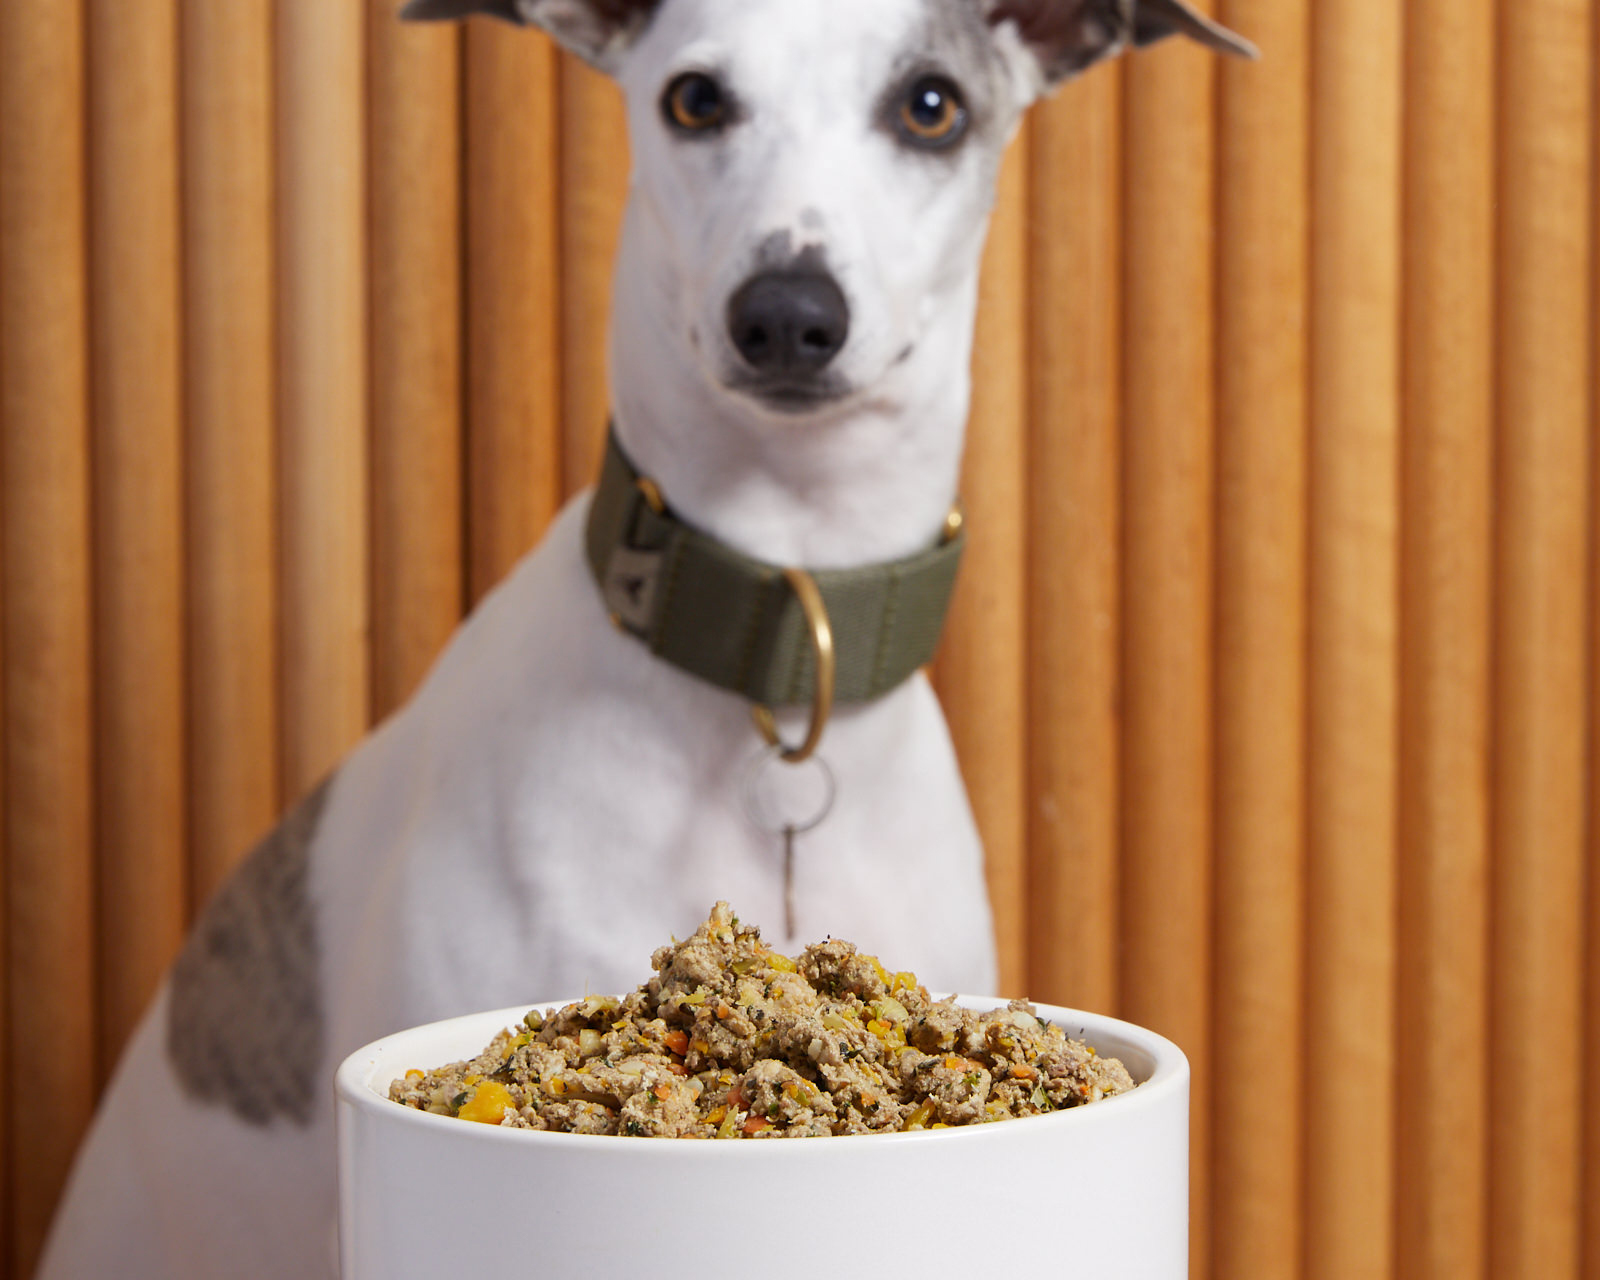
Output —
<point x="812" y="178"/>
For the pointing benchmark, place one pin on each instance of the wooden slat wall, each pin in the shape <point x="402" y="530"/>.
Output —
<point x="982" y="663"/>
<point x="1259" y="724"/>
<point x="1168" y="628"/>
<point x="46" y="618"/>
<point x="594" y="133"/>
<point x="414" y="202"/>
<point x="1073" y="549"/>
<point x="1353" y="655"/>
<point x="513" y="430"/>
<point x="230" y="400"/>
<point x="136" y="393"/>
<point x="1274" y="668"/>
<point x="1446" y="532"/>
<point x="1543" y="661"/>
<point x="322" y="409"/>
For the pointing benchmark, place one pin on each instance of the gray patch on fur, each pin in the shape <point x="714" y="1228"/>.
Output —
<point x="957" y="32"/>
<point x="244" y="1013"/>
<point x="774" y="252"/>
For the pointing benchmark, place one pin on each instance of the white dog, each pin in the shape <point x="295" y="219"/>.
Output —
<point x="790" y="342"/>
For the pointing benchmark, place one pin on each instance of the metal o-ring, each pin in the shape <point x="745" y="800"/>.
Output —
<point x="768" y="823"/>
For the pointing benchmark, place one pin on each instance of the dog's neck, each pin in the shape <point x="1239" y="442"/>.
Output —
<point x="871" y="482"/>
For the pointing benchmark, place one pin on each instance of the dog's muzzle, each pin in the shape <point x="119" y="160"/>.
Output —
<point x="788" y="326"/>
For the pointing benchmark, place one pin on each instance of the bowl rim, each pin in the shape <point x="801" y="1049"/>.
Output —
<point x="356" y="1087"/>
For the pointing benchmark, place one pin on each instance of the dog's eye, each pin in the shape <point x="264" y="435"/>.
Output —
<point x="694" y="102"/>
<point x="932" y="113"/>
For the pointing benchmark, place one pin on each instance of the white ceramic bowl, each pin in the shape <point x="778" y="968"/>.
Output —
<point x="1096" y="1190"/>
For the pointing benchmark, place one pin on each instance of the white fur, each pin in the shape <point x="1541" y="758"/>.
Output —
<point x="555" y="802"/>
<point x="873" y="477"/>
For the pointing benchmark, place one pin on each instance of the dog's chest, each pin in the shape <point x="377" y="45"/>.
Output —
<point x="556" y="803"/>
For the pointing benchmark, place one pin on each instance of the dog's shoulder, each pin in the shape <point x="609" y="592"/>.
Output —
<point x="244" y="1013"/>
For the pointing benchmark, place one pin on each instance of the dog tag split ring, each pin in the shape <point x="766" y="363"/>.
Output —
<point x="787" y="801"/>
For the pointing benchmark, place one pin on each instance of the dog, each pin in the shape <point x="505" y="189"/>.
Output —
<point x="573" y="784"/>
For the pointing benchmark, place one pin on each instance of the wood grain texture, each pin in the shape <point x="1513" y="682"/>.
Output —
<point x="415" y="225"/>
<point x="323" y="382"/>
<point x="1447" y="457"/>
<point x="1074" y="366"/>
<point x="137" y="391"/>
<point x="46" y="617"/>
<point x="1542" y="469"/>
<point x="1167" y="480"/>
<point x="1590" y="1221"/>
<point x="230" y="398"/>
<point x="1260" y="713"/>
<point x="594" y="188"/>
<point x="1353" y="652"/>
<point x="982" y="657"/>
<point x="513" y="246"/>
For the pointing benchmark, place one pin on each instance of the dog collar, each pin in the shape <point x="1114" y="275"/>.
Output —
<point x="737" y="622"/>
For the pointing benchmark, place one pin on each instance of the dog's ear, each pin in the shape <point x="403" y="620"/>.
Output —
<point x="1068" y="36"/>
<point x="1156" y="19"/>
<point x="595" y="30"/>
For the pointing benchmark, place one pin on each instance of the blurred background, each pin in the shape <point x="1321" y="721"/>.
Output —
<point x="1273" y="667"/>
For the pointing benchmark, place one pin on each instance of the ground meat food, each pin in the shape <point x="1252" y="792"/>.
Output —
<point x="732" y="1040"/>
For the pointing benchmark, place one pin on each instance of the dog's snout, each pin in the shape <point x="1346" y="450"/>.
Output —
<point x="787" y="322"/>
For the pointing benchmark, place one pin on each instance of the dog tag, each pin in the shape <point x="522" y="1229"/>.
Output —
<point x="787" y="800"/>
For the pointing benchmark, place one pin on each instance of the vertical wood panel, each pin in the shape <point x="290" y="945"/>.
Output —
<point x="1262" y="220"/>
<point x="230" y="391"/>
<point x="594" y="187"/>
<point x="513" y="357"/>
<point x="323" y="404"/>
<point x="1544" y="294"/>
<point x="415" y="232"/>
<point x="138" y="485"/>
<point x="46" y="618"/>
<point x="982" y="657"/>
<point x="1167" y="570"/>
<point x="1591" y="1078"/>
<point x="1589" y="1190"/>
<point x="1442" y="1094"/>
<point x="1074" y="362"/>
<point x="1353" y="639"/>
<point x="1590" y="1223"/>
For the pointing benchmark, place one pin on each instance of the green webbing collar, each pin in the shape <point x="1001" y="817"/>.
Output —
<point x="734" y="621"/>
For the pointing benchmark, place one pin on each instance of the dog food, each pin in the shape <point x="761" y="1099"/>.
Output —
<point x="730" y="1039"/>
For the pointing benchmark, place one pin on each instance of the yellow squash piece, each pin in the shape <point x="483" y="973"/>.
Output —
<point x="488" y="1103"/>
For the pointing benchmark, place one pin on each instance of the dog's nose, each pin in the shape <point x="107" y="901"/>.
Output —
<point x="787" y="322"/>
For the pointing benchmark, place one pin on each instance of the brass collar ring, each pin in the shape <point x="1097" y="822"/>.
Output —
<point x="804" y="587"/>
<point x="819" y="631"/>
